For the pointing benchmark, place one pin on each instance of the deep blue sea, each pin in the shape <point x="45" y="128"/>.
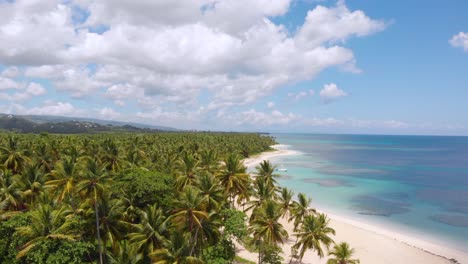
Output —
<point x="412" y="184"/>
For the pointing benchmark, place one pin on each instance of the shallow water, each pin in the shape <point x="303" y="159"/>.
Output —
<point x="414" y="184"/>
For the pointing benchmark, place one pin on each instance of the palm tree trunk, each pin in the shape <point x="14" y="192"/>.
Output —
<point x="194" y="242"/>
<point x="97" y="230"/>
<point x="292" y="248"/>
<point x="260" y="260"/>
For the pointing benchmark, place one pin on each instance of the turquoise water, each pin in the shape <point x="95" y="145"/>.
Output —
<point x="412" y="184"/>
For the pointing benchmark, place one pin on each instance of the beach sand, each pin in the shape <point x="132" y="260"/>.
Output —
<point x="372" y="244"/>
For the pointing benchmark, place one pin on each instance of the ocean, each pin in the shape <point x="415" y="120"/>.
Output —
<point x="415" y="185"/>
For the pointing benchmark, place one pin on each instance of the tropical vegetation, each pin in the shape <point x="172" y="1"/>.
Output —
<point x="148" y="198"/>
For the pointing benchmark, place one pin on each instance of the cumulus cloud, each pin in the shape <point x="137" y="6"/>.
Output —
<point x="54" y="108"/>
<point x="271" y="104"/>
<point x="256" y="118"/>
<point x="161" y="56"/>
<point x="299" y="95"/>
<point x="331" y="92"/>
<point x="7" y="83"/>
<point x="10" y="72"/>
<point x="460" y="40"/>
<point x="108" y="113"/>
<point x="332" y="25"/>
<point x="35" y="89"/>
<point x="47" y="108"/>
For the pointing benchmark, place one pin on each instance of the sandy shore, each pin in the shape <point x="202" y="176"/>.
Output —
<point x="372" y="244"/>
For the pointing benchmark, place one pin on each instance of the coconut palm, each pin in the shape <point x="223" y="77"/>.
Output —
<point x="286" y="201"/>
<point x="300" y="209"/>
<point x="150" y="233"/>
<point x="233" y="177"/>
<point x="92" y="186"/>
<point x="342" y="254"/>
<point x="211" y="192"/>
<point x="13" y="156"/>
<point x="209" y="160"/>
<point x="266" y="170"/>
<point x="124" y="252"/>
<point x="44" y="158"/>
<point x="178" y="252"/>
<point x="187" y="169"/>
<point x="314" y="234"/>
<point x="111" y="156"/>
<point x="31" y="182"/>
<point x="189" y="215"/>
<point x="10" y="193"/>
<point x="63" y="179"/>
<point x="265" y="227"/>
<point x="47" y="223"/>
<point x="261" y="193"/>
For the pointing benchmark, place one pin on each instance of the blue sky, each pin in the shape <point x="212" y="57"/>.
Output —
<point x="356" y="66"/>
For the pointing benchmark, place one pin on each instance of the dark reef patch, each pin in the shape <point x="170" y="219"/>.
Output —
<point x="372" y="205"/>
<point x="451" y="220"/>
<point x="328" y="182"/>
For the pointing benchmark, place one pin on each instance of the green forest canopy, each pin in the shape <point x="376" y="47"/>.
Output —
<point x="141" y="198"/>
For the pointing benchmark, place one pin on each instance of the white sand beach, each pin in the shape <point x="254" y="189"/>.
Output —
<point x="372" y="244"/>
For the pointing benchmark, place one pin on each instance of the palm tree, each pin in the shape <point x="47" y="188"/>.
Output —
<point x="93" y="185"/>
<point x="266" y="170"/>
<point x="43" y="157"/>
<point x="313" y="234"/>
<point x="10" y="193"/>
<point x="149" y="234"/>
<point x="209" y="160"/>
<point x="211" y="192"/>
<point x="12" y="156"/>
<point x="31" y="182"/>
<point x="342" y="254"/>
<point x="63" y="179"/>
<point x="286" y="201"/>
<point x="189" y="215"/>
<point x="187" y="168"/>
<point x="111" y="156"/>
<point x="126" y="253"/>
<point x="178" y="252"/>
<point x="46" y="223"/>
<point x="261" y="194"/>
<point x="300" y="209"/>
<point x="265" y="227"/>
<point x="233" y="177"/>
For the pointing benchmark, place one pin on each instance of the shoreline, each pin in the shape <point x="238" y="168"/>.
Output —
<point x="372" y="244"/>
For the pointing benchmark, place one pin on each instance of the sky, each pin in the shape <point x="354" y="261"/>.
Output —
<point x="305" y="66"/>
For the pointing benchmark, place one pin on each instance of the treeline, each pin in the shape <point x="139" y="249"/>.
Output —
<point x="148" y="198"/>
<point x="23" y="125"/>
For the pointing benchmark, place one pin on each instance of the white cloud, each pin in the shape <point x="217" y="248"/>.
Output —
<point x="336" y="24"/>
<point x="163" y="55"/>
<point x="271" y="104"/>
<point x="331" y="92"/>
<point x="35" y="89"/>
<point x="299" y="95"/>
<point x="33" y="32"/>
<point x="261" y="119"/>
<point x="10" y="72"/>
<point x="108" y="113"/>
<point x="78" y="80"/>
<point x="460" y="40"/>
<point x="32" y="89"/>
<point x="47" y="108"/>
<point x="55" y="108"/>
<point x="395" y="124"/>
<point x="7" y="83"/>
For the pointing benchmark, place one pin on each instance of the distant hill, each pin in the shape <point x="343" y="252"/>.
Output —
<point x="71" y="125"/>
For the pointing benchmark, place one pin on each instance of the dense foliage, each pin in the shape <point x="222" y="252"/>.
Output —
<point x="147" y="198"/>
<point x="23" y="125"/>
